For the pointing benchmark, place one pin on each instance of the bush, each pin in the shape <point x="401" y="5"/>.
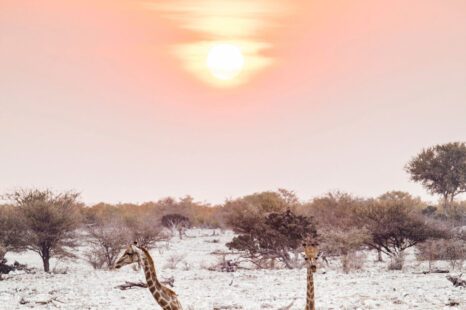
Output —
<point x="345" y="245"/>
<point x="333" y="210"/>
<point x="274" y="237"/>
<point x="452" y="250"/>
<point x="397" y="262"/>
<point x="107" y="239"/>
<point x="241" y="214"/>
<point x="353" y="261"/>
<point x="144" y="228"/>
<point x="173" y="261"/>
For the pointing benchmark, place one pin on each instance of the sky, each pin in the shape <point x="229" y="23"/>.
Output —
<point x="114" y="99"/>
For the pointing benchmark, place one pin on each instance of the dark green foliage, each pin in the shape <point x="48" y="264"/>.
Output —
<point x="276" y="236"/>
<point x="176" y="222"/>
<point x="394" y="224"/>
<point x="171" y="220"/>
<point x="441" y="169"/>
<point x="429" y="211"/>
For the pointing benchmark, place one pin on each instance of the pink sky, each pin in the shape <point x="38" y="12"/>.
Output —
<point x="93" y="98"/>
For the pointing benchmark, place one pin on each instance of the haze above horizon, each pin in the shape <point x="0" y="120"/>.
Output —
<point x="114" y="98"/>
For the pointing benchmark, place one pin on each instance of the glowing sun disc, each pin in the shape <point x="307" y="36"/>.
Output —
<point x="225" y="61"/>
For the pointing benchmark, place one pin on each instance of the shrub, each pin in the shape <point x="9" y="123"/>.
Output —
<point x="452" y="250"/>
<point x="241" y="214"/>
<point x="174" y="260"/>
<point x="144" y="228"/>
<point x="397" y="262"/>
<point x="274" y="237"/>
<point x="333" y="210"/>
<point x="345" y="245"/>
<point x="352" y="261"/>
<point x="107" y="239"/>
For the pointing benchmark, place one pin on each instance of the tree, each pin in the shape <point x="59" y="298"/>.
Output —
<point x="107" y="238"/>
<point x="332" y="210"/>
<point x="441" y="169"/>
<point x="275" y="237"/>
<point x="394" y="223"/>
<point x="176" y="222"/>
<point x="49" y="220"/>
<point x="144" y="228"/>
<point x="11" y="231"/>
<point x="241" y="213"/>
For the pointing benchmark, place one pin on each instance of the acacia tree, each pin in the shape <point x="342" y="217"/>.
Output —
<point x="11" y="231"/>
<point x="176" y="222"/>
<point x="394" y="224"/>
<point x="274" y="237"/>
<point x="441" y="169"/>
<point x="49" y="220"/>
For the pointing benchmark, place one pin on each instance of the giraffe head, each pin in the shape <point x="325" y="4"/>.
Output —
<point x="131" y="255"/>
<point x="310" y="252"/>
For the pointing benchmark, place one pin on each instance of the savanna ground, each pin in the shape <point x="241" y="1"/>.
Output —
<point x="76" y="285"/>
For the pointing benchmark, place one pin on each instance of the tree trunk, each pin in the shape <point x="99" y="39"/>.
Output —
<point x="445" y="205"/>
<point x="3" y="251"/>
<point x="379" y="256"/>
<point x="46" y="260"/>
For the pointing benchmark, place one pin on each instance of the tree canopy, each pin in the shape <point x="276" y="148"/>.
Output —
<point x="441" y="169"/>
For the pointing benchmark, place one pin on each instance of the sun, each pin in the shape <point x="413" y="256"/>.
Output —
<point x="225" y="61"/>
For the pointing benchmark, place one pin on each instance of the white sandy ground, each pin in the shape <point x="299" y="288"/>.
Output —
<point x="199" y="289"/>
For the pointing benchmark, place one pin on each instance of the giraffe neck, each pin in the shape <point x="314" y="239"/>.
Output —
<point x="157" y="290"/>
<point x="149" y="272"/>
<point x="310" y="290"/>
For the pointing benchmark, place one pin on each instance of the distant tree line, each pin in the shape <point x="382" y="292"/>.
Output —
<point x="270" y="226"/>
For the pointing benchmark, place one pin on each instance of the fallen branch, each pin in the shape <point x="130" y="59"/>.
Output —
<point x="50" y="301"/>
<point x="128" y="285"/>
<point x="457" y="281"/>
<point x="433" y="271"/>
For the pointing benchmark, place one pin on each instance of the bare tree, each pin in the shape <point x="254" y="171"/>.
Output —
<point x="49" y="220"/>
<point x="144" y="228"/>
<point x="107" y="238"/>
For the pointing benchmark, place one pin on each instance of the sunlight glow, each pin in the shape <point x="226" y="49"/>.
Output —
<point x="225" y="61"/>
<point x="209" y="23"/>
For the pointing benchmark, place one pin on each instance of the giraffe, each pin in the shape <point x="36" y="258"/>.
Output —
<point x="164" y="296"/>
<point x="310" y="257"/>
